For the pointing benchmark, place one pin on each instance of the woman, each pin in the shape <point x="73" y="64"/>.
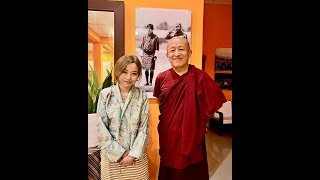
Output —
<point x="123" y="122"/>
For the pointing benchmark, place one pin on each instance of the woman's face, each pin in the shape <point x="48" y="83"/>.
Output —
<point x="129" y="76"/>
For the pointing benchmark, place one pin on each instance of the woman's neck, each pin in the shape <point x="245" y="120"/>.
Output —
<point x="124" y="90"/>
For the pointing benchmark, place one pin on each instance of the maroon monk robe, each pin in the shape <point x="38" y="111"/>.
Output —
<point x="186" y="104"/>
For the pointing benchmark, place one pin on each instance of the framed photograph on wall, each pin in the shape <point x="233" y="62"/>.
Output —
<point x="223" y="68"/>
<point x="154" y="27"/>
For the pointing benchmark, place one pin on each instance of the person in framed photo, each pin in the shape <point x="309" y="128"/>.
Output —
<point x="149" y="46"/>
<point x="176" y="31"/>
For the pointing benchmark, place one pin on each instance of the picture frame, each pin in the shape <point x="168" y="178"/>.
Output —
<point x="165" y="24"/>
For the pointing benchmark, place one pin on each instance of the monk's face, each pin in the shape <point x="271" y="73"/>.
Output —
<point x="178" y="52"/>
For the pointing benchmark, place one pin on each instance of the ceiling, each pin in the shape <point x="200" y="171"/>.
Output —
<point x="101" y="22"/>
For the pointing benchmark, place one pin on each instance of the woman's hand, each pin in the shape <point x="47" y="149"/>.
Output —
<point x="127" y="161"/>
<point x="124" y="155"/>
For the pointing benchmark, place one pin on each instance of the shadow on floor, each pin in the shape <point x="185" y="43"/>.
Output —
<point x="218" y="147"/>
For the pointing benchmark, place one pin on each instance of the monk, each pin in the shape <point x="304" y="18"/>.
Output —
<point x="187" y="99"/>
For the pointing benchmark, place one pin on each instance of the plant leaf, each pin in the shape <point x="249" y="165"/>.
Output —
<point x="107" y="81"/>
<point x="90" y="104"/>
<point x="89" y="84"/>
<point x="94" y="89"/>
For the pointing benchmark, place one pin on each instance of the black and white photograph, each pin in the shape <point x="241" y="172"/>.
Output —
<point x="223" y="67"/>
<point x="154" y="27"/>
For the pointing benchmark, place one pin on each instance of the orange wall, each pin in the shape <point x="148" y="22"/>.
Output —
<point x="153" y="146"/>
<point x="196" y="6"/>
<point x="217" y="33"/>
<point x="97" y="60"/>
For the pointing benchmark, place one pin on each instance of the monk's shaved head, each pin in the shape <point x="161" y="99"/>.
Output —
<point x="179" y="38"/>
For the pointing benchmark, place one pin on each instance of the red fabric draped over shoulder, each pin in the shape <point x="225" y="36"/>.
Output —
<point x="186" y="104"/>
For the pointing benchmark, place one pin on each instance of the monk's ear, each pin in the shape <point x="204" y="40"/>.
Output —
<point x="167" y="54"/>
<point x="190" y="52"/>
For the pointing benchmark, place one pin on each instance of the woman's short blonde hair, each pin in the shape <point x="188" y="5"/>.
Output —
<point x="123" y="62"/>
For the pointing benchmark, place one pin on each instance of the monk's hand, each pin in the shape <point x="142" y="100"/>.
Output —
<point x="127" y="161"/>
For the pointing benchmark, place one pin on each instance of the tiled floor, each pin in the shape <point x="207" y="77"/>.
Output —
<point x="219" y="148"/>
<point x="224" y="170"/>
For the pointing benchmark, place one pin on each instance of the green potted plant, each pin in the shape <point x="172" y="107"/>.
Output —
<point x="94" y="90"/>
